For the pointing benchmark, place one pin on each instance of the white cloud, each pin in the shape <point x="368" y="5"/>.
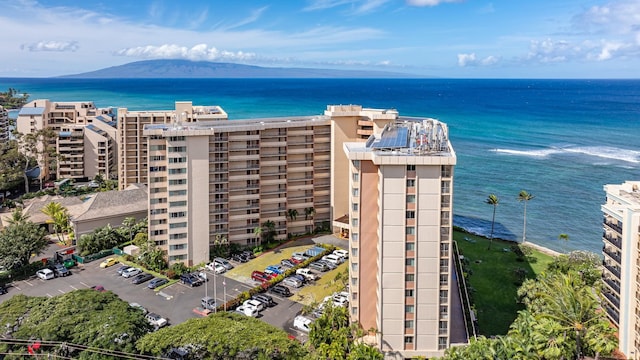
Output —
<point x="52" y="46"/>
<point x="616" y="17"/>
<point x="550" y="51"/>
<point x="471" y="60"/>
<point x="197" y="53"/>
<point x="325" y="4"/>
<point x="422" y="3"/>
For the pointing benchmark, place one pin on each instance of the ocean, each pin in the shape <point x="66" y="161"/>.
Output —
<point x="560" y="140"/>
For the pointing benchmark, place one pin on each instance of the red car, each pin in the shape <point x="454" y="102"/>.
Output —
<point x="296" y="260"/>
<point x="260" y="276"/>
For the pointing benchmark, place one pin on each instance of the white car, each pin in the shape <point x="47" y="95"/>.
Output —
<point x="156" y="320"/>
<point x="335" y="259"/>
<point x="342" y="253"/>
<point x="307" y="273"/>
<point x="45" y="274"/>
<point x="292" y="282"/>
<point x="216" y="267"/>
<point x="302" y="323"/>
<point x="252" y="303"/>
<point x="247" y="311"/>
<point x="131" y="272"/>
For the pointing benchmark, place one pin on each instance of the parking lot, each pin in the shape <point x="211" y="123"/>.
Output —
<point x="175" y="302"/>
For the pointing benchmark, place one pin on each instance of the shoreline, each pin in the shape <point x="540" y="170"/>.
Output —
<point x="543" y="249"/>
<point x="537" y="247"/>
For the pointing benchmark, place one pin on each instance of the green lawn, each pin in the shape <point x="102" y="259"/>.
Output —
<point x="325" y="286"/>
<point x="494" y="281"/>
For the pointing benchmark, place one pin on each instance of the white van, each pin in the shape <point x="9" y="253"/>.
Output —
<point x="335" y="259"/>
<point x="45" y="274"/>
<point x="302" y="323"/>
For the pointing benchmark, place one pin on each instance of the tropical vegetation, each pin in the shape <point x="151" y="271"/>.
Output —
<point x="492" y="200"/>
<point x="20" y="240"/>
<point x="12" y="99"/>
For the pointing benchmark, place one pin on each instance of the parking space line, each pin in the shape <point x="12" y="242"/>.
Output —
<point x="62" y="292"/>
<point x="28" y="283"/>
<point x="49" y="295"/>
<point x="84" y="284"/>
<point x="73" y="287"/>
<point x="16" y="287"/>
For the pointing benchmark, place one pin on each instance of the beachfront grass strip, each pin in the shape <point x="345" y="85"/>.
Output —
<point x="242" y="272"/>
<point x="316" y="291"/>
<point x="494" y="280"/>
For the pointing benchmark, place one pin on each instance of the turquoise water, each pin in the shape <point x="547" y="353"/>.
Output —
<point x="560" y="140"/>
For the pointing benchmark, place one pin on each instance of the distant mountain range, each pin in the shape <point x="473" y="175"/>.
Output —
<point x="204" y="69"/>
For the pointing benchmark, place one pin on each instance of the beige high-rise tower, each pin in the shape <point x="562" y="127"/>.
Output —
<point x="400" y="216"/>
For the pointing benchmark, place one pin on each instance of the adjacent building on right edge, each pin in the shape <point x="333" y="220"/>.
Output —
<point x="621" y="264"/>
<point x="400" y="232"/>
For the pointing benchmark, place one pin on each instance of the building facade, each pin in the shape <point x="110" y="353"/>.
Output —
<point x="4" y="124"/>
<point x="400" y="216"/>
<point x="621" y="264"/>
<point x="83" y="138"/>
<point x="132" y="144"/>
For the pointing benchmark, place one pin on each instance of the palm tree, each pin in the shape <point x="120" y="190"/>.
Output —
<point x="59" y="216"/>
<point x="17" y="217"/>
<point x="309" y="212"/>
<point x="493" y="201"/>
<point x="524" y="196"/>
<point x="292" y="214"/>
<point x="564" y="237"/>
<point x="129" y="223"/>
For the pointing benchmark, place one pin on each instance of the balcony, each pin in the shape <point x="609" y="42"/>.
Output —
<point x="612" y="269"/>
<point x="614" y="226"/>
<point x="612" y="299"/>
<point x="613" y="314"/>
<point x="612" y="240"/>
<point x="612" y="254"/>
<point x="612" y="284"/>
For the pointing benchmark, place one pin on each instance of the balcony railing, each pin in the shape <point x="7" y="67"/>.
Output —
<point x="612" y="269"/>
<point x="612" y="240"/>
<point x="615" y="301"/>
<point x="612" y="254"/>
<point x="613" y="314"/>
<point x="615" y="226"/>
<point x="612" y="284"/>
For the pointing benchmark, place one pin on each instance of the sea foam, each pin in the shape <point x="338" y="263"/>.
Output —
<point x="603" y="152"/>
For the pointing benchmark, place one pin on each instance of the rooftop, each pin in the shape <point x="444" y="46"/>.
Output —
<point x="26" y="111"/>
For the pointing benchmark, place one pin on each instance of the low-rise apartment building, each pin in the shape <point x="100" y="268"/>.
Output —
<point x="84" y="138"/>
<point x="621" y="264"/>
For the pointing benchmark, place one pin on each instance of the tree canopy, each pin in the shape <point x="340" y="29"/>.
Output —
<point x="20" y="240"/>
<point x="90" y="318"/>
<point x="224" y="336"/>
<point x="10" y="99"/>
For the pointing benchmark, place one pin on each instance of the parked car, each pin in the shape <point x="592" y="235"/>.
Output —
<point x="157" y="282"/>
<point x="131" y="272"/>
<point x="140" y="278"/>
<point x="307" y="273"/>
<point x="208" y="303"/>
<point x="339" y="299"/>
<point x="287" y="263"/>
<point x="328" y="264"/>
<point x="299" y="277"/>
<point x="45" y="274"/>
<point x="292" y="282"/>
<point x="270" y="273"/>
<point x="301" y="255"/>
<point x="215" y="267"/>
<point x="202" y="275"/>
<point x="296" y="260"/>
<point x="248" y="254"/>
<point x="281" y="290"/>
<point x="123" y="268"/>
<point x="191" y="280"/>
<point x="332" y="258"/>
<point x="319" y="266"/>
<point x="342" y="253"/>
<point x="224" y="262"/>
<point x="260" y="276"/>
<point x="156" y="320"/>
<point x="98" y="288"/>
<point x="140" y="307"/>
<point x="254" y="303"/>
<point x="239" y="258"/>
<point x="3" y="290"/>
<point x="59" y="270"/>
<point x="265" y="299"/>
<point x="278" y="269"/>
<point x="247" y="311"/>
<point x="110" y="261"/>
<point x="302" y="323"/>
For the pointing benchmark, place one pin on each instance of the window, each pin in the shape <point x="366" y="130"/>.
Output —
<point x="409" y="277"/>
<point x="354" y="296"/>
<point x="444" y="249"/>
<point x="178" y="225"/>
<point x="178" y="214"/>
<point x="410" y="230"/>
<point x="157" y="147"/>
<point x="411" y="168"/>
<point x="444" y="296"/>
<point x="354" y="237"/>
<point x="177" y="203"/>
<point x="158" y="201"/>
<point x="408" y="293"/>
<point x="177" y="192"/>
<point x="157" y="168"/>
<point x="410" y="262"/>
<point x="411" y="183"/>
<point x="158" y="222"/>
<point x="409" y="309"/>
<point x="411" y="214"/>
<point x="408" y="324"/>
<point x="177" y="257"/>
<point x="178" y="236"/>
<point x="175" y="149"/>
<point x="354" y="207"/>
<point x="178" y="182"/>
<point x="445" y="187"/>
<point x="354" y="266"/>
<point x="354" y="252"/>
<point x="354" y="310"/>
<point x="355" y="177"/>
<point x="176" y="138"/>
<point x="177" y="171"/>
<point x="355" y="192"/>
<point x="354" y="222"/>
<point x="408" y="339"/>
<point x="410" y="246"/>
<point x="157" y="211"/>
<point x="157" y="158"/>
<point x="354" y="281"/>
<point x="411" y="199"/>
<point x="177" y="160"/>
<point x="177" y="247"/>
<point x="356" y="164"/>
<point x="444" y="279"/>
<point x="158" y="232"/>
<point x="158" y="179"/>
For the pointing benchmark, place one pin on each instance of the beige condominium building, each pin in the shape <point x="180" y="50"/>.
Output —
<point x="132" y="144"/>
<point x="400" y="215"/>
<point x="84" y="137"/>
<point x="621" y="264"/>
<point x="4" y="124"/>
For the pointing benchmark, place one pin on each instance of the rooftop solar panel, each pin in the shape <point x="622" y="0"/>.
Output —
<point x="393" y="138"/>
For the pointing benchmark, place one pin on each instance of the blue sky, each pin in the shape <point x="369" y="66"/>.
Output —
<point x="440" y="38"/>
